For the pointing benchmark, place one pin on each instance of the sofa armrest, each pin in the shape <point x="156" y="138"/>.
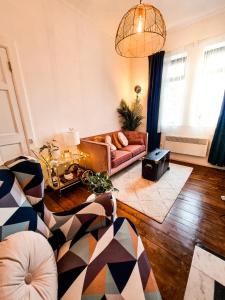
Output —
<point x="99" y="159"/>
<point x="145" y="138"/>
<point x="88" y="216"/>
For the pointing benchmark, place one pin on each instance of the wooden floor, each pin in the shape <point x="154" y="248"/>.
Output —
<point x="198" y="215"/>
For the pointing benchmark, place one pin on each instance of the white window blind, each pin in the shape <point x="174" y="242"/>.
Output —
<point x="192" y="90"/>
<point x="208" y="94"/>
<point x="173" y="90"/>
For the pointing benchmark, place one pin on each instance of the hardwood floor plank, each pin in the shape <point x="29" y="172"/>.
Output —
<point x="207" y="204"/>
<point x="200" y="212"/>
<point x="216" y="201"/>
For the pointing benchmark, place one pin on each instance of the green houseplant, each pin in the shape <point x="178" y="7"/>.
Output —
<point x="98" y="183"/>
<point x="130" y="116"/>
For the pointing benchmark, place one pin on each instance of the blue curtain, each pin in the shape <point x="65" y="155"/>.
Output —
<point x="154" y="88"/>
<point x="217" y="150"/>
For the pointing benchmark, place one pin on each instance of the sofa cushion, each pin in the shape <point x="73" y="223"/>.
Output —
<point x="115" y="140"/>
<point x="122" y="138"/>
<point x="106" y="264"/>
<point x="134" y="149"/>
<point x="120" y="157"/>
<point x="17" y="213"/>
<point x="27" y="268"/>
<point x="108" y="140"/>
<point x="136" y="141"/>
<point x="134" y="137"/>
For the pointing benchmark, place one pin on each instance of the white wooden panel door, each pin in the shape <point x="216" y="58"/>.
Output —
<point x="12" y="137"/>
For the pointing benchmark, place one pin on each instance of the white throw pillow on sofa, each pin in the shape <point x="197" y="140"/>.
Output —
<point x="108" y="140"/>
<point x="122" y="138"/>
<point x="27" y="268"/>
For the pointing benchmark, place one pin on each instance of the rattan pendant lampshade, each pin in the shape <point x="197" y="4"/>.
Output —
<point x="141" y="32"/>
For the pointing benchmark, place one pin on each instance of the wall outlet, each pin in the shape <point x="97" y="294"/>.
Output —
<point x="223" y="198"/>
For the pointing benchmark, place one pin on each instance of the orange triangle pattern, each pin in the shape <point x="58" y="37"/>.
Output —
<point x="97" y="286"/>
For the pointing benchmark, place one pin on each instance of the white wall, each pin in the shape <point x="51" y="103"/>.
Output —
<point x="209" y="27"/>
<point x="72" y="75"/>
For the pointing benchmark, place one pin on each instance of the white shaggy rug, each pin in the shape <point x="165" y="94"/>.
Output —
<point x="154" y="199"/>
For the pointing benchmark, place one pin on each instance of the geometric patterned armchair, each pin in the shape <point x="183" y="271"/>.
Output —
<point x="97" y="257"/>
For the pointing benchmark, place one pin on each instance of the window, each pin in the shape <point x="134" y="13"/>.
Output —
<point x="174" y="82"/>
<point x="211" y="85"/>
<point x="192" y="89"/>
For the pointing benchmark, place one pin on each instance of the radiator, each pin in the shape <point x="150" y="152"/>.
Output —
<point x="186" y="145"/>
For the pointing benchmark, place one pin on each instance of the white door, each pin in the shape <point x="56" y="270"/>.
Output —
<point x="12" y="137"/>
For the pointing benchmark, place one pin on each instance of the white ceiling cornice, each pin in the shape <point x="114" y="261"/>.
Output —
<point x="106" y="14"/>
<point x="189" y="21"/>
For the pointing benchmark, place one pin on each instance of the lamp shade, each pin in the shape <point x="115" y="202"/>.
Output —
<point x="141" y="32"/>
<point x="72" y="138"/>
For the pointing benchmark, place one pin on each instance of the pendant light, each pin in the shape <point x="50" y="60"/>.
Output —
<point x="141" y="32"/>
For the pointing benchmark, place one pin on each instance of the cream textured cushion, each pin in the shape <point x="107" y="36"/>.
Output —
<point x="122" y="138"/>
<point x="27" y="268"/>
<point x="108" y="140"/>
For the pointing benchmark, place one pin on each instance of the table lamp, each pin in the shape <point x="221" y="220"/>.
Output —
<point x="72" y="140"/>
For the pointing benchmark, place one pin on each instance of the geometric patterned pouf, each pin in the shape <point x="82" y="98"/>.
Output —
<point x="108" y="263"/>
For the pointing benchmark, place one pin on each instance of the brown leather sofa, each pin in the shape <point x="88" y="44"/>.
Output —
<point x="100" y="157"/>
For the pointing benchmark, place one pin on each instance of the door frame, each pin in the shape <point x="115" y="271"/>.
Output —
<point x="20" y="89"/>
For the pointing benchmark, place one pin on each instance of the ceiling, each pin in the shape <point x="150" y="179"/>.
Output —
<point x="107" y="14"/>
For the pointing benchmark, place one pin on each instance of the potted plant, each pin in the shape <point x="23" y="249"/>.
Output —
<point x="98" y="183"/>
<point x="130" y="116"/>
